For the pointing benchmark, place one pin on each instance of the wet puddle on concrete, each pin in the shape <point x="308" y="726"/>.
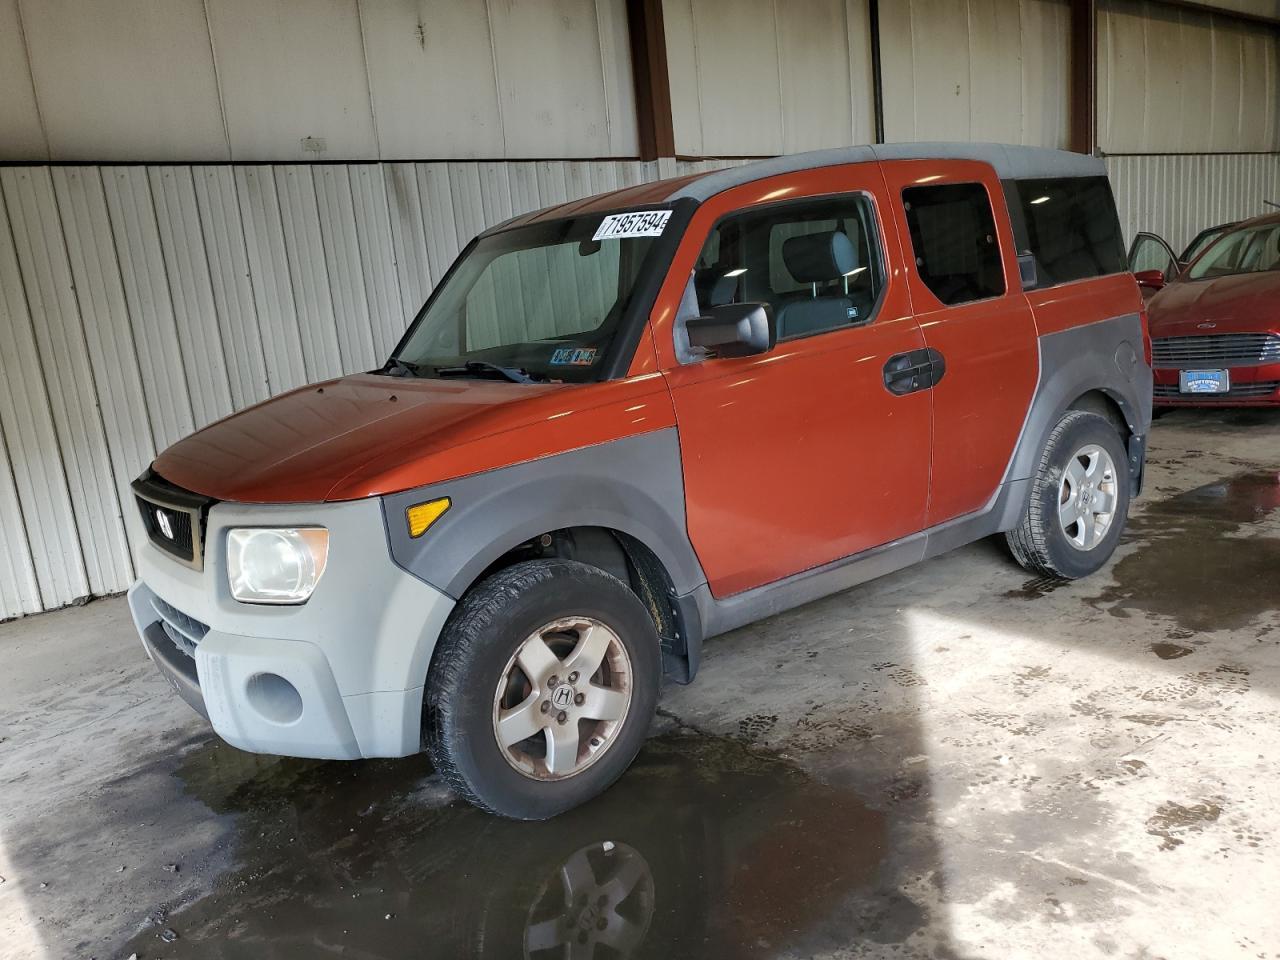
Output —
<point x="1195" y="561"/>
<point x="705" y="848"/>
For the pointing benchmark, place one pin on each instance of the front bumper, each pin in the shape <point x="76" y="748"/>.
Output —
<point x="1251" y="386"/>
<point x="339" y="677"/>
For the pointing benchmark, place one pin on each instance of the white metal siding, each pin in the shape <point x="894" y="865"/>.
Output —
<point x="1180" y="81"/>
<point x="1178" y="196"/>
<point x="140" y="303"/>
<point x="43" y="522"/>
<point x="68" y="382"/>
<point x="18" y="587"/>
<point x="763" y="77"/>
<point x="21" y="133"/>
<point x="124" y="79"/>
<point x="307" y="80"/>
<point x="975" y="70"/>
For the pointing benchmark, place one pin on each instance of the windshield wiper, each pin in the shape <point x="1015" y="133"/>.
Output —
<point x="396" y="367"/>
<point x="514" y="374"/>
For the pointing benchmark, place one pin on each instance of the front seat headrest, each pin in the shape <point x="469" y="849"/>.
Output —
<point x="714" y="287"/>
<point x="819" y="257"/>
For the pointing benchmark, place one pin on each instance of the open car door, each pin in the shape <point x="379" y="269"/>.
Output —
<point x="1153" y="262"/>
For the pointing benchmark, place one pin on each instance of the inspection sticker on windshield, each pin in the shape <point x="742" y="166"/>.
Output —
<point x="574" y="356"/>
<point x="643" y="223"/>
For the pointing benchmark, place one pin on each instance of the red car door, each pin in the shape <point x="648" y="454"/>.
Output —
<point x="800" y="455"/>
<point x="1152" y="260"/>
<point x="965" y="288"/>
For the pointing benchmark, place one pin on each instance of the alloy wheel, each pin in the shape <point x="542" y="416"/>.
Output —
<point x="1087" y="497"/>
<point x="563" y="698"/>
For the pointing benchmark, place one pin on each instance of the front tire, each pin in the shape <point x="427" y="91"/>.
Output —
<point x="1079" y="500"/>
<point x="542" y="688"/>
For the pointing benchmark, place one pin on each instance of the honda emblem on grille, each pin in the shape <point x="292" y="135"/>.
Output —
<point x="165" y="524"/>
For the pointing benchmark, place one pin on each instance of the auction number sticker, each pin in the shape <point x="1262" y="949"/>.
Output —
<point x="643" y="223"/>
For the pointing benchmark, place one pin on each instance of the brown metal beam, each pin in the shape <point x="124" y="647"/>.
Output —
<point x="652" y="82"/>
<point x="1083" y="100"/>
<point x="877" y="69"/>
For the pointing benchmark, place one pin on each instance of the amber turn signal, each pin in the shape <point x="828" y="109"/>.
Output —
<point x="423" y="515"/>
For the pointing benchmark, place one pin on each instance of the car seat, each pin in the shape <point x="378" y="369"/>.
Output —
<point x="816" y="259"/>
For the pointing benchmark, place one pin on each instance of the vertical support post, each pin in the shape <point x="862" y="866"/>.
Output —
<point x="652" y="82"/>
<point x="877" y="73"/>
<point x="1082" y="107"/>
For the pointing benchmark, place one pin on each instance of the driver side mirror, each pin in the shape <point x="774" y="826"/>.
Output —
<point x="1151" y="279"/>
<point x="734" y="329"/>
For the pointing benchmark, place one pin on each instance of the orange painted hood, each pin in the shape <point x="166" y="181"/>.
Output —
<point x="367" y="435"/>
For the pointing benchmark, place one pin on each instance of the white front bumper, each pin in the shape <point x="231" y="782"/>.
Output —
<point x="356" y="653"/>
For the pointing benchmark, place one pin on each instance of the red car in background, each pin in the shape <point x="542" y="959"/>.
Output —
<point x="1215" y="326"/>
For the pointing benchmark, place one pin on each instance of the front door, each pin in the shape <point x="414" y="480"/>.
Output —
<point x="809" y="452"/>
<point x="1149" y="253"/>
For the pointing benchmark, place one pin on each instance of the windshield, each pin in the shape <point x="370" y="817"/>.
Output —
<point x="542" y="302"/>
<point x="1202" y="240"/>
<point x="1249" y="250"/>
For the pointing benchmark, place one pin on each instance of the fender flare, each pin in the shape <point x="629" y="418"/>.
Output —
<point x="634" y="485"/>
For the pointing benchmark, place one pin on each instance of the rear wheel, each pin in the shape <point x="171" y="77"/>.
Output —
<point x="542" y="688"/>
<point x="1079" y="500"/>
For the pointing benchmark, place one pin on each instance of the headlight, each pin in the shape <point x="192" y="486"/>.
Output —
<point x="276" y="565"/>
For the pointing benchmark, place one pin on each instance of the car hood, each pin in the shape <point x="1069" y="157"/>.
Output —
<point x="367" y="435"/>
<point x="1245" y="303"/>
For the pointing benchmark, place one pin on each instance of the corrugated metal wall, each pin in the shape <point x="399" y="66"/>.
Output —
<point x="140" y="303"/>
<point x="1178" y="196"/>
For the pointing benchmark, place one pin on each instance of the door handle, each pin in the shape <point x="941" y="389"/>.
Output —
<point x="917" y="370"/>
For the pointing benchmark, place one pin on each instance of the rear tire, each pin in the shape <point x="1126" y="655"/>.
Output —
<point x="542" y="688"/>
<point x="1079" y="500"/>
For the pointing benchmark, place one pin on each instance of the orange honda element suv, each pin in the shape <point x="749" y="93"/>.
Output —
<point x="625" y="424"/>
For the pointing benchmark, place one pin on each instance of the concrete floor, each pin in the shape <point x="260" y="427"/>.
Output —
<point x="954" y="761"/>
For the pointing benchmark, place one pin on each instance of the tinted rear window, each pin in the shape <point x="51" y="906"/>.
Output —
<point x="953" y="236"/>
<point x="1072" y="228"/>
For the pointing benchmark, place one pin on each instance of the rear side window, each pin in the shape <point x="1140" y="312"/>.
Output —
<point x="953" y="236"/>
<point x="816" y="262"/>
<point x="1072" y="228"/>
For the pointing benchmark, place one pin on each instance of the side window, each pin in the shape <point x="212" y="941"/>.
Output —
<point x="953" y="236"/>
<point x="1072" y="228"/>
<point x="817" y="263"/>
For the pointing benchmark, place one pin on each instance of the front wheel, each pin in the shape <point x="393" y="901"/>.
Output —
<point x="1079" y="500"/>
<point x="542" y="688"/>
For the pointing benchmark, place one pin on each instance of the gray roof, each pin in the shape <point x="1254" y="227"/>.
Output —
<point x="1010" y="162"/>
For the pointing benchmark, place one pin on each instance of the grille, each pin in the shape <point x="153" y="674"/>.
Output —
<point x="170" y="529"/>
<point x="1217" y="350"/>
<point x="172" y="517"/>
<point x="185" y="632"/>
<point x="1242" y="391"/>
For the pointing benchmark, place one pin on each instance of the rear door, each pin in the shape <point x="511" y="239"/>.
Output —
<point x="963" y="276"/>
<point x="801" y="455"/>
